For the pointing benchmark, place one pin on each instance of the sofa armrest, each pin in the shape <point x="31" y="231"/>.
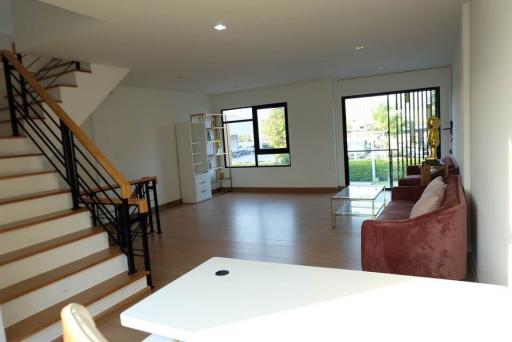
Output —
<point x="413" y="170"/>
<point x="432" y="245"/>
<point x="406" y="193"/>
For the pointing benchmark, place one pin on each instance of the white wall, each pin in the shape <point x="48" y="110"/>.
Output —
<point x="439" y="77"/>
<point x="6" y="24"/>
<point x="460" y="99"/>
<point x="316" y="128"/>
<point x="310" y="124"/>
<point x="491" y="137"/>
<point x="134" y="127"/>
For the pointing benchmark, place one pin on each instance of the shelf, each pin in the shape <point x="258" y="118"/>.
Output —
<point x="214" y="141"/>
<point x="195" y="142"/>
<point x="196" y="164"/>
<point x="217" y="154"/>
<point x="221" y="180"/>
<point x="196" y="153"/>
<point x="214" y="127"/>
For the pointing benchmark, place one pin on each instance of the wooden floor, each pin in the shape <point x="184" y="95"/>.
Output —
<point x="286" y="228"/>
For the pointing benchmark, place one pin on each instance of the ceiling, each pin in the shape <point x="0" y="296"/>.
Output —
<point x="171" y="44"/>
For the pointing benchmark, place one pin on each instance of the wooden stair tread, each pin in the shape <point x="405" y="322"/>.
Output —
<point x="8" y="121"/>
<point x="55" y="66"/>
<point x="51" y="315"/>
<point x="33" y="196"/>
<point x="26" y="286"/>
<point x="53" y="86"/>
<point x="13" y="137"/>
<point x="47" y="245"/>
<point x="60" y="74"/>
<point x="27" y="174"/>
<point x="40" y="219"/>
<point x="31" y="103"/>
<point x="24" y="155"/>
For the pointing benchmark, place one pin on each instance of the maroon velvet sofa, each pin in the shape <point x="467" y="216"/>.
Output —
<point x="413" y="177"/>
<point x="431" y="245"/>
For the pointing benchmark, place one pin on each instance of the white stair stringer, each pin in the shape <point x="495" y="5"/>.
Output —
<point x="25" y="209"/>
<point x="38" y="300"/>
<point x="92" y="89"/>
<point x="16" y="239"/>
<point x="31" y="266"/>
<point x="54" y="331"/>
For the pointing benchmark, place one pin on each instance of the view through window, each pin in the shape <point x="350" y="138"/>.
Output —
<point x="386" y="133"/>
<point x="257" y="136"/>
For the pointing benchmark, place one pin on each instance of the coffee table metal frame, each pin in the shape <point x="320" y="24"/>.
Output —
<point x="355" y="205"/>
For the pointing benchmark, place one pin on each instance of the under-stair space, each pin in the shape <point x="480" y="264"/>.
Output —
<point x="53" y="249"/>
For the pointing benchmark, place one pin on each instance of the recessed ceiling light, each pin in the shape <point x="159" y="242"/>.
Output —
<point x="359" y="47"/>
<point x="220" y="27"/>
<point x="381" y="68"/>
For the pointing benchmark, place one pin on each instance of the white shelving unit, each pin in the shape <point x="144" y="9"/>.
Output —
<point x="214" y="131"/>
<point x="193" y="162"/>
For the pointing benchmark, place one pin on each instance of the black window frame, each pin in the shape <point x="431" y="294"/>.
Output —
<point x="255" y="127"/>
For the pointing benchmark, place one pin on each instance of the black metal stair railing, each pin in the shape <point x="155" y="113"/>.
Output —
<point x="91" y="185"/>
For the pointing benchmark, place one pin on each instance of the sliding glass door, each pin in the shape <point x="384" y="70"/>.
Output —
<point x="384" y="133"/>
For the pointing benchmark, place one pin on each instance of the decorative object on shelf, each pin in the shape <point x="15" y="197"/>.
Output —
<point x="209" y="135"/>
<point x="220" y="174"/>
<point x="433" y="124"/>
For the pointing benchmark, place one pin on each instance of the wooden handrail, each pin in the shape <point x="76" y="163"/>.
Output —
<point x="88" y="144"/>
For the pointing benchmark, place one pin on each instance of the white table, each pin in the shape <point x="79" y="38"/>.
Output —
<point x="260" y="301"/>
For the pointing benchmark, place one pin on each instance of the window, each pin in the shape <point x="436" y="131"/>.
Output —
<point x="257" y="136"/>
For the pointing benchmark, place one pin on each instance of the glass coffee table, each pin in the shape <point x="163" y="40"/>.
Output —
<point x="358" y="200"/>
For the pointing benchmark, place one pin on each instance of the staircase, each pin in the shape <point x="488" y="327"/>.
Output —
<point x="66" y="212"/>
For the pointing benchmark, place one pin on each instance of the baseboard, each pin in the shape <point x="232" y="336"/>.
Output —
<point x="287" y="190"/>
<point x="472" y="265"/>
<point x="170" y="204"/>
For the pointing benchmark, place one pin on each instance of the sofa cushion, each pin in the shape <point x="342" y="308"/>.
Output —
<point x="396" y="210"/>
<point x="431" y="199"/>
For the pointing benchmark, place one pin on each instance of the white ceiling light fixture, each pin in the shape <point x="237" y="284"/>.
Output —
<point x="359" y="47"/>
<point x="220" y="27"/>
<point x="381" y="68"/>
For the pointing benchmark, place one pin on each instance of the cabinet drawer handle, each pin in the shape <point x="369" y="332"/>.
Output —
<point x="203" y="182"/>
<point x="203" y="191"/>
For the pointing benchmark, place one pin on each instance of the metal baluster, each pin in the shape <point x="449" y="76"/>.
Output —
<point x="10" y="96"/>
<point x="145" y="248"/>
<point x="126" y="234"/>
<point x="70" y="162"/>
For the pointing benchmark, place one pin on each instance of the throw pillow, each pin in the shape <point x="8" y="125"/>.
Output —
<point x="431" y="199"/>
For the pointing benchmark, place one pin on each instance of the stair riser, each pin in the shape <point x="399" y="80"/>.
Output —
<point x="53" y="92"/>
<point x="55" y="331"/>
<point x="30" y="184"/>
<point x="35" y="207"/>
<point x="31" y="235"/>
<point x="12" y="166"/>
<point x="34" y="265"/>
<point x="66" y="79"/>
<point x="16" y="146"/>
<point x="31" y="303"/>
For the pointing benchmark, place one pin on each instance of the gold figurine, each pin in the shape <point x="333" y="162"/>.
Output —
<point x="433" y="124"/>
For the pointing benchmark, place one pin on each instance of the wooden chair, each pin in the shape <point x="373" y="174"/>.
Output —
<point x="78" y="325"/>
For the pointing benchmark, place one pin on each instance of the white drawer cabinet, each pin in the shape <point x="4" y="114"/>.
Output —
<point x="193" y="163"/>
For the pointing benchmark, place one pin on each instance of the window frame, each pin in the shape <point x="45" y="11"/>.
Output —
<point x="255" y="126"/>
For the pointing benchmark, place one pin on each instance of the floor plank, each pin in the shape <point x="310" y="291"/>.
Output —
<point x="286" y="228"/>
